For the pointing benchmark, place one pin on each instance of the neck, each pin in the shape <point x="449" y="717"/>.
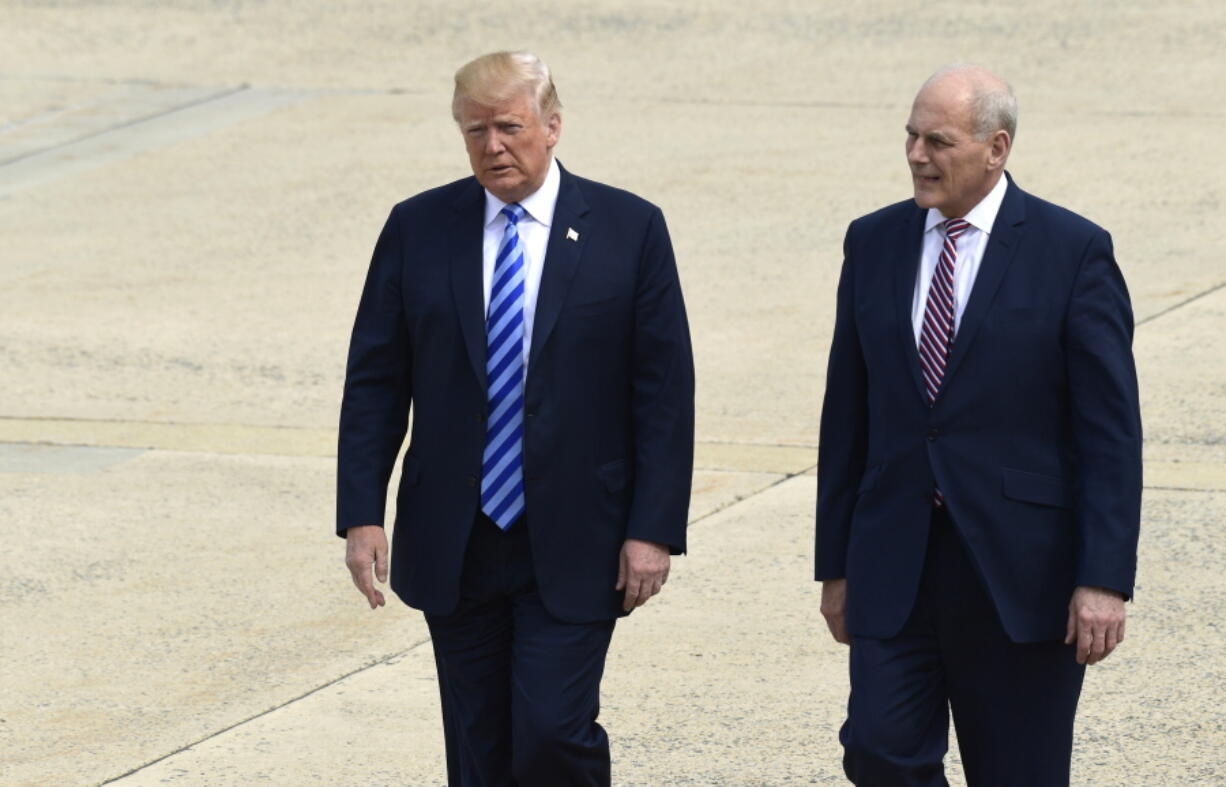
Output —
<point x="969" y="205"/>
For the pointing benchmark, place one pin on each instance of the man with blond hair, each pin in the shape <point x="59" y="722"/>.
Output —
<point x="979" y="476"/>
<point x="533" y="323"/>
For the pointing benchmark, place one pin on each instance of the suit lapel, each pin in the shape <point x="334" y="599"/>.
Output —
<point x="1002" y="246"/>
<point x="467" y="234"/>
<point x="561" y="261"/>
<point x="906" y="268"/>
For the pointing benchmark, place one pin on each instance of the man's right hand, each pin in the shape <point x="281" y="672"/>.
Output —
<point x="364" y="545"/>
<point x="834" y="608"/>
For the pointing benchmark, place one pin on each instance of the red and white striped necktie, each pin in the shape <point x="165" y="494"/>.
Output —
<point x="937" y="333"/>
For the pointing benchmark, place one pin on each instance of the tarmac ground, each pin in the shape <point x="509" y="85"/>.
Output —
<point x="189" y="192"/>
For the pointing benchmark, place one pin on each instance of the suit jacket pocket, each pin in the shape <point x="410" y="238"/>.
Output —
<point x="1044" y="490"/>
<point x="600" y="306"/>
<point x="613" y="475"/>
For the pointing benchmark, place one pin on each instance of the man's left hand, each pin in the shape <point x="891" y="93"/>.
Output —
<point x="1095" y="623"/>
<point x="642" y="570"/>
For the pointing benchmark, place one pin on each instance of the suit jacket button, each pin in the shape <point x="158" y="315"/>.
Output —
<point x="480" y="417"/>
<point x="472" y="480"/>
<point x="932" y="435"/>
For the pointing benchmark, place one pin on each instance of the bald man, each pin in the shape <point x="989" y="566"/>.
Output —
<point x="979" y="477"/>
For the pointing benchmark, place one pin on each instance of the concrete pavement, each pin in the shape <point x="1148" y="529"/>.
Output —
<point x="189" y="193"/>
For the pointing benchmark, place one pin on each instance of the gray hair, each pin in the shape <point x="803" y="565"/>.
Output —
<point x="498" y="76"/>
<point x="993" y="105"/>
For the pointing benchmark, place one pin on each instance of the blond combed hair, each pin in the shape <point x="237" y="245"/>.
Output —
<point x="498" y="76"/>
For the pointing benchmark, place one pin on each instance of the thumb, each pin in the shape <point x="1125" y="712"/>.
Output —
<point x="621" y="571"/>
<point x="1070" y="628"/>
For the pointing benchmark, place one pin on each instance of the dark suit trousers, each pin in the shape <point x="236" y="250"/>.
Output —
<point x="520" y="688"/>
<point x="1013" y="704"/>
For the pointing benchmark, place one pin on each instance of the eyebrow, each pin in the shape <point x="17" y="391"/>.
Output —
<point x="935" y="135"/>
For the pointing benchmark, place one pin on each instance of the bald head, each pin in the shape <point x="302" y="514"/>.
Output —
<point x="988" y="99"/>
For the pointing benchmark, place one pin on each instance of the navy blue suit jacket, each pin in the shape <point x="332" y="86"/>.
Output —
<point x="609" y="412"/>
<point x="1034" y="439"/>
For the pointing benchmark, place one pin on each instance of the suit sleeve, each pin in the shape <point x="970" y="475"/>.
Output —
<point x="378" y="386"/>
<point x="662" y="397"/>
<point x="842" y="446"/>
<point x="1106" y="421"/>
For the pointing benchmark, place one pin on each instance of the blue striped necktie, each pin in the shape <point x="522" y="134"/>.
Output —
<point x="502" y="468"/>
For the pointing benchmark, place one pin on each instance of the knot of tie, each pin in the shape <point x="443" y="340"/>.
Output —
<point x="514" y="212"/>
<point x="955" y="227"/>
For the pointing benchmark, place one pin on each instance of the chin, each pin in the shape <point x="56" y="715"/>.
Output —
<point x="506" y="192"/>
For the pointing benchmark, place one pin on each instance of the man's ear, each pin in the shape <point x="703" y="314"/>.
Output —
<point x="998" y="153"/>
<point x="553" y="129"/>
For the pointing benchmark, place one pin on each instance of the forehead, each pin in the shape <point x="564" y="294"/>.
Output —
<point x="943" y="105"/>
<point x="520" y="106"/>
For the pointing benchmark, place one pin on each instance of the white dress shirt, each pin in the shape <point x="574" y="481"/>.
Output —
<point x="971" y="245"/>
<point x="533" y="236"/>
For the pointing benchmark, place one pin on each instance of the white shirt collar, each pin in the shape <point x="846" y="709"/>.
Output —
<point x="539" y="204"/>
<point x="982" y="216"/>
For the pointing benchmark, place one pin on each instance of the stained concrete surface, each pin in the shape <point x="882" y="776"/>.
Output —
<point x="188" y="195"/>
<point x="36" y="458"/>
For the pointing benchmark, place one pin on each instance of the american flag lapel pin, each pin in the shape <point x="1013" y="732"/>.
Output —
<point x="571" y="234"/>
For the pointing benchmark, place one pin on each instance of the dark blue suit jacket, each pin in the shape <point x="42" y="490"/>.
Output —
<point x="1034" y="439"/>
<point x="609" y="411"/>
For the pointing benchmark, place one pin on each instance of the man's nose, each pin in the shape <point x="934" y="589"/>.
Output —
<point x="916" y="153"/>
<point x="493" y="143"/>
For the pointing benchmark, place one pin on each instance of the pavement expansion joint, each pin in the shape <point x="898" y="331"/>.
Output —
<point x="249" y="439"/>
<point x="399" y="655"/>
<point x="140" y="118"/>
<point x="393" y="658"/>
<point x="204" y="98"/>
<point x="1182" y="303"/>
<point x="743" y="498"/>
<point x="1169" y="467"/>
